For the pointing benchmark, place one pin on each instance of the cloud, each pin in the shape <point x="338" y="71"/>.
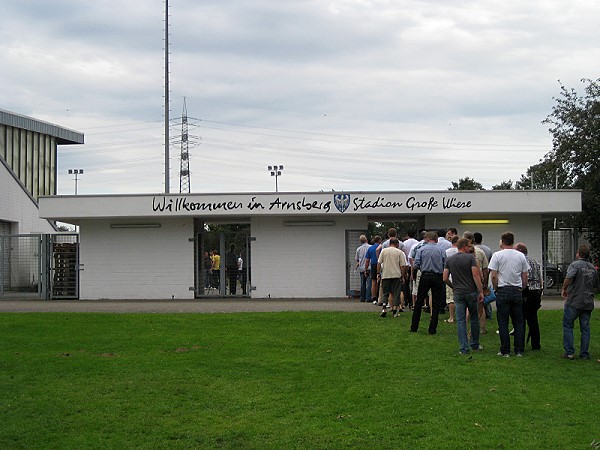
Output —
<point x="427" y="92"/>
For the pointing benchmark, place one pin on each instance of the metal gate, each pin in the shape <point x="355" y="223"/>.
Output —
<point x="352" y="274"/>
<point x="40" y="265"/>
<point x="20" y="264"/>
<point x="559" y="247"/>
<point x="64" y="266"/>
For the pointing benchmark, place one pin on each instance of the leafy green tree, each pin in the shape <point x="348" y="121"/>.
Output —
<point x="503" y="186"/>
<point x="547" y="174"/>
<point x="466" y="184"/>
<point x="575" y="128"/>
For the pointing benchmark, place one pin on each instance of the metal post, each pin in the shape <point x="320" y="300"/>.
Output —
<point x="167" y="163"/>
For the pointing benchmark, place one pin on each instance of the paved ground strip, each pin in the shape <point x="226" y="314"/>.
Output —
<point x="213" y="305"/>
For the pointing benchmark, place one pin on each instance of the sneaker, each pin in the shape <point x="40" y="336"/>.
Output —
<point x="374" y="302"/>
<point x="504" y="355"/>
<point x="519" y="355"/>
<point x="479" y="347"/>
<point x="383" y="313"/>
<point x="585" y="358"/>
<point x="395" y="313"/>
<point x="569" y="357"/>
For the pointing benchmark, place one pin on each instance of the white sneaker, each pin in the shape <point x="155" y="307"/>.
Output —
<point x="503" y="355"/>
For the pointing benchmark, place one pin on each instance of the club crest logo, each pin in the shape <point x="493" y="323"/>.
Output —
<point x="341" y="202"/>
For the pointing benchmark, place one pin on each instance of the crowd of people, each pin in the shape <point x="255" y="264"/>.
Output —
<point x="444" y="271"/>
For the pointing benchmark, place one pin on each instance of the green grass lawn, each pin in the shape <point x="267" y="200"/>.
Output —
<point x="285" y="380"/>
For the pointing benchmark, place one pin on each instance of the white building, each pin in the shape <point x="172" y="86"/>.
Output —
<point x="298" y="244"/>
<point x="28" y="152"/>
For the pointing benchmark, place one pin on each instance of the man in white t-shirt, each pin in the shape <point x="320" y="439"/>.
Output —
<point x="509" y="274"/>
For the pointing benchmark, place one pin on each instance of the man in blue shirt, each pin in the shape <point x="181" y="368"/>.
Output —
<point x="371" y="266"/>
<point x="430" y="260"/>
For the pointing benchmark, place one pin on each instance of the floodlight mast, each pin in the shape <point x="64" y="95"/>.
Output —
<point x="275" y="172"/>
<point x="76" y="172"/>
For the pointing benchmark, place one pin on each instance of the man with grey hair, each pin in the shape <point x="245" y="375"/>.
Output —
<point x="361" y="252"/>
<point x="430" y="260"/>
<point x="581" y="282"/>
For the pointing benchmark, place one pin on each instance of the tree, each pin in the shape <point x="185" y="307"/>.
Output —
<point x="547" y="174"/>
<point x="466" y="184"/>
<point x="503" y="186"/>
<point x="575" y="128"/>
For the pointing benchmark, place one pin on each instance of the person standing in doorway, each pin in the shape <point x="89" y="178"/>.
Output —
<point x="242" y="274"/>
<point x="206" y="265"/>
<point x="231" y="267"/>
<point x="371" y="266"/>
<point x="359" y="257"/>
<point x="579" y="287"/>
<point x="215" y="268"/>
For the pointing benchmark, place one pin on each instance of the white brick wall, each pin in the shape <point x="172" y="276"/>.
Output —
<point x="17" y="207"/>
<point x="300" y="261"/>
<point x="137" y="263"/>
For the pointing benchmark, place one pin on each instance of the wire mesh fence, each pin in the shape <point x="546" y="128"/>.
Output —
<point x="20" y="263"/>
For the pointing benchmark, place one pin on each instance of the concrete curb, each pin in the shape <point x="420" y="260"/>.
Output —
<point x="220" y="305"/>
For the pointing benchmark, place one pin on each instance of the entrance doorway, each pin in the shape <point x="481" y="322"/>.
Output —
<point x="222" y="260"/>
<point x="374" y="228"/>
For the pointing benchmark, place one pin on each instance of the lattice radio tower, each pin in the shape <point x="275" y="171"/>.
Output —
<point x="186" y="141"/>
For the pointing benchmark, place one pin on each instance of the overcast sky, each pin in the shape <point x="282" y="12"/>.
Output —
<point x="346" y="95"/>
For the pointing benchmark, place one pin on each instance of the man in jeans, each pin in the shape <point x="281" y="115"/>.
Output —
<point x="578" y="290"/>
<point x="468" y="291"/>
<point x="359" y="257"/>
<point x="509" y="274"/>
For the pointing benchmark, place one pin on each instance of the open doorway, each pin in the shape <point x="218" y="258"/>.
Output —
<point x="374" y="228"/>
<point x="222" y="259"/>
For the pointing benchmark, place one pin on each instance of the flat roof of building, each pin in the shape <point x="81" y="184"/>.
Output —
<point x="465" y="203"/>
<point x="64" y="136"/>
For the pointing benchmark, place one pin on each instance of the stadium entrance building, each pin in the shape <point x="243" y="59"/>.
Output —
<point x="291" y="245"/>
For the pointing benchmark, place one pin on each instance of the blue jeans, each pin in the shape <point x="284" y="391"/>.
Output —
<point x="363" y="286"/>
<point x="569" y="316"/>
<point x="509" y="304"/>
<point x="464" y="302"/>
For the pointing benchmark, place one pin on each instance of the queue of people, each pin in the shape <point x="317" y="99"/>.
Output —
<point x="444" y="271"/>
